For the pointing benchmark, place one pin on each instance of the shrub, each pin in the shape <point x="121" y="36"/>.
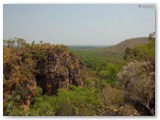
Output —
<point x="76" y="101"/>
<point x="137" y="81"/>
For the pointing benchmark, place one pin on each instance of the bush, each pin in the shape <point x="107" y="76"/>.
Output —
<point x="109" y="72"/>
<point x="112" y="96"/>
<point x="38" y="91"/>
<point x="141" y="52"/>
<point x="137" y="81"/>
<point x="76" y="101"/>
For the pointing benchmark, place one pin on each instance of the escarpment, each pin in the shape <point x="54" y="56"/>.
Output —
<point x="49" y="67"/>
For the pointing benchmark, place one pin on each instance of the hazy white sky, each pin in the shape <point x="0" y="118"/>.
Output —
<point x="77" y="24"/>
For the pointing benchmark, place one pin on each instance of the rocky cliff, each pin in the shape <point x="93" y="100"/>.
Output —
<point x="58" y="69"/>
<point x="48" y="66"/>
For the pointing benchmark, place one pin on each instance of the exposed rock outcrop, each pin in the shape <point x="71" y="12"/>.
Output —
<point x="58" y="69"/>
<point x="48" y="66"/>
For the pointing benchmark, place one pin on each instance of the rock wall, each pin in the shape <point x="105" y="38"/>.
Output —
<point x="48" y="66"/>
<point x="58" y="69"/>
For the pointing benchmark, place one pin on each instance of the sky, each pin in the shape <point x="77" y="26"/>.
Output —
<point x="77" y="24"/>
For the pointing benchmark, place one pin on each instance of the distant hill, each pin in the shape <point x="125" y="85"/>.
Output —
<point x="120" y="48"/>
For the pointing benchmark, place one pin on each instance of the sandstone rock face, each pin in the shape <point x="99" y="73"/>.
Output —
<point x="58" y="69"/>
<point x="48" y="66"/>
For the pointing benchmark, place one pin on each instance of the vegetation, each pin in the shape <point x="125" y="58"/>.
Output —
<point x="41" y="79"/>
<point x="130" y="43"/>
<point x="76" y="101"/>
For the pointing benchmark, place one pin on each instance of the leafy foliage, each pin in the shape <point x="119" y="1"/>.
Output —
<point x="141" y="52"/>
<point x="76" y="101"/>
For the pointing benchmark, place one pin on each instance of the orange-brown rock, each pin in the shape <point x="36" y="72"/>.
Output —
<point x="58" y="69"/>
